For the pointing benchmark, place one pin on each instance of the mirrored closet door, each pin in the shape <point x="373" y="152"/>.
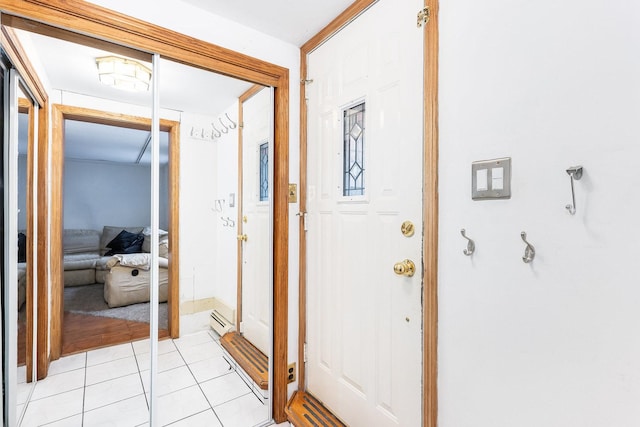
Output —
<point x="188" y="160"/>
<point x="19" y="276"/>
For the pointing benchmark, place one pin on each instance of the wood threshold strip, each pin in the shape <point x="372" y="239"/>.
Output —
<point x="304" y="410"/>
<point x="251" y="360"/>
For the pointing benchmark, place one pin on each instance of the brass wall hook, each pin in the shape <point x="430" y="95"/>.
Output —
<point x="471" y="245"/>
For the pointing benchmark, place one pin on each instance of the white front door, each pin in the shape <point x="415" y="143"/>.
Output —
<point x="365" y="151"/>
<point x="256" y="159"/>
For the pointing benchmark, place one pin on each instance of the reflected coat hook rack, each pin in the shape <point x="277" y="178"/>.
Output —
<point x="529" y="251"/>
<point x="575" y="172"/>
<point x="471" y="245"/>
<point x="215" y="133"/>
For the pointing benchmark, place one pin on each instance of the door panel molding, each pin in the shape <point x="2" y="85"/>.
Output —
<point x="94" y="21"/>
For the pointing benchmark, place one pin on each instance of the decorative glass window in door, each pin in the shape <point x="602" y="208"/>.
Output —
<point x="264" y="171"/>
<point x="353" y="139"/>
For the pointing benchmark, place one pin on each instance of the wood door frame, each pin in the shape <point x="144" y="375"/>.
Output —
<point x="59" y="114"/>
<point x="80" y="17"/>
<point x="429" y="208"/>
<point x="26" y="107"/>
<point x="20" y="61"/>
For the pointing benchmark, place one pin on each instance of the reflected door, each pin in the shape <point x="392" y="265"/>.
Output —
<point x="256" y="162"/>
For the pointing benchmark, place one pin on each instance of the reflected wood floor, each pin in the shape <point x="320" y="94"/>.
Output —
<point x="81" y="332"/>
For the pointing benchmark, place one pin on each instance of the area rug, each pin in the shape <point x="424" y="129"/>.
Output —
<point x="89" y="299"/>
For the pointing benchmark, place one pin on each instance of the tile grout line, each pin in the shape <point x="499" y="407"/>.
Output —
<point x="198" y="384"/>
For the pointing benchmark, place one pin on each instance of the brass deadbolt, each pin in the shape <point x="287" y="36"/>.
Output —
<point x="404" y="268"/>
<point x="408" y="229"/>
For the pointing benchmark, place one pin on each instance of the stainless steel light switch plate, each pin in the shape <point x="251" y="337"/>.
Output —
<point x="491" y="179"/>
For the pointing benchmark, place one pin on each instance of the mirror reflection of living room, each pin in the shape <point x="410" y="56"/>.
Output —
<point x="107" y="235"/>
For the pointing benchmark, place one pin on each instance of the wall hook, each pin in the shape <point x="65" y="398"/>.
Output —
<point x="226" y="128"/>
<point x="233" y="124"/>
<point x="529" y="251"/>
<point x="216" y="132"/>
<point x="471" y="245"/>
<point x="575" y="172"/>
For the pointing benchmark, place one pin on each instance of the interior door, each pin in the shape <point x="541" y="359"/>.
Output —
<point x="257" y="148"/>
<point x="364" y="311"/>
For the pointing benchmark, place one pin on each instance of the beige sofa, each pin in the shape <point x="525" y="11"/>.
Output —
<point x="85" y="262"/>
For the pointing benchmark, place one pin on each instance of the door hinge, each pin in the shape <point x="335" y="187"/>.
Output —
<point x="423" y="16"/>
<point x="304" y="352"/>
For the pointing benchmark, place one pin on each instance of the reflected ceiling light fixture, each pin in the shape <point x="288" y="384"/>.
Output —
<point x="123" y="73"/>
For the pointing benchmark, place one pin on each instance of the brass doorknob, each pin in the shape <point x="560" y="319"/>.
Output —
<point x="242" y="237"/>
<point x="404" y="268"/>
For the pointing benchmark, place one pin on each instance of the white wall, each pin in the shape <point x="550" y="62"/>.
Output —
<point x="227" y="183"/>
<point x="99" y="193"/>
<point x="554" y="343"/>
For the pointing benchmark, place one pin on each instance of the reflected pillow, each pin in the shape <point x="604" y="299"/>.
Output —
<point x="22" y="247"/>
<point x="125" y="243"/>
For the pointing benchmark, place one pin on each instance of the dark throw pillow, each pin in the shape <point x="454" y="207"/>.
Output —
<point x="22" y="247"/>
<point x="125" y="243"/>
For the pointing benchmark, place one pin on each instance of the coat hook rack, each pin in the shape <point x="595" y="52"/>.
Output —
<point x="529" y="251"/>
<point x="575" y="173"/>
<point x="471" y="245"/>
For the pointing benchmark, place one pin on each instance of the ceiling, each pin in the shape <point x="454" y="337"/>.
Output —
<point x="71" y="68"/>
<point x="294" y="21"/>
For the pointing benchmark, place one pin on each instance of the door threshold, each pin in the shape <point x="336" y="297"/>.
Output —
<point x="251" y="360"/>
<point x="305" y="410"/>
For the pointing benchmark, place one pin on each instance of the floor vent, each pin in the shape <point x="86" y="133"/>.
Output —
<point x="221" y="316"/>
<point x="304" y="410"/>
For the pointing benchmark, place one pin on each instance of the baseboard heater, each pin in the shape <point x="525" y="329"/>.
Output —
<point x="222" y="317"/>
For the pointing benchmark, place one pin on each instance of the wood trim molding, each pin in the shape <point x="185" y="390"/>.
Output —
<point x="85" y="18"/>
<point x="25" y="106"/>
<point x="173" y="305"/>
<point x="349" y="14"/>
<point x="98" y="22"/>
<point x="430" y="218"/>
<point x="42" y="225"/>
<point x="19" y="59"/>
<point x="60" y="113"/>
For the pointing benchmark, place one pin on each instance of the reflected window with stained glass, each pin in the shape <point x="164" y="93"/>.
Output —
<point x="353" y="151"/>
<point x="264" y="171"/>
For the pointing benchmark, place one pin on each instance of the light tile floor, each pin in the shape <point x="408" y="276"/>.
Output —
<point x="110" y="387"/>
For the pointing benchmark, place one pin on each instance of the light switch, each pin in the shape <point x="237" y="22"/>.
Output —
<point x="497" y="181"/>
<point x="491" y="179"/>
<point x="481" y="180"/>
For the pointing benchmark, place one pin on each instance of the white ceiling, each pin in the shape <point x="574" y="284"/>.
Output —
<point x="294" y="21"/>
